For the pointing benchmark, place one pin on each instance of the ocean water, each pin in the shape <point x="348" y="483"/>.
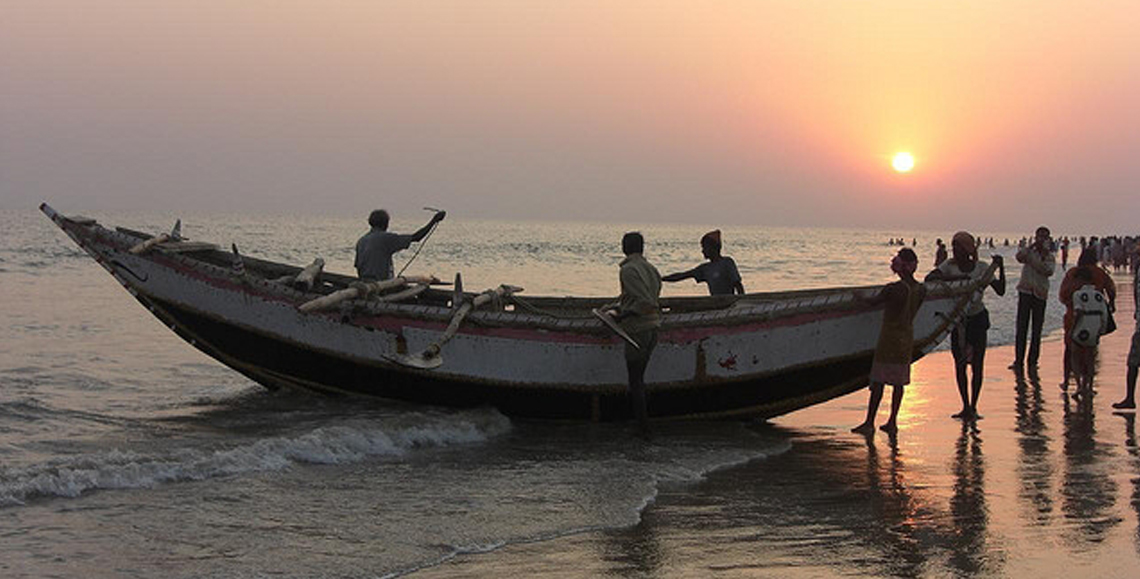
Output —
<point x="126" y="453"/>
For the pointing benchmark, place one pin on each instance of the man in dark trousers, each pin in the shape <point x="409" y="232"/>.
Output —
<point x="374" y="251"/>
<point x="638" y="313"/>
<point x="1038" y="265"/>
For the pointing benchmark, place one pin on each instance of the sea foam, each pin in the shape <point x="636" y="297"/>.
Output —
<point x="352" y="442"/>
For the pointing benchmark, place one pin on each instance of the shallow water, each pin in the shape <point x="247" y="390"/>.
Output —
<point x="126" y="453"/>
<point x="1043" y="486"/>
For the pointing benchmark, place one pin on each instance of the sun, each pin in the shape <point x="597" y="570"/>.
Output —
<point x="903" y="162"/>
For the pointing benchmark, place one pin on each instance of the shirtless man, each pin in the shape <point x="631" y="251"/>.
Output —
<point x="719" y="271"/>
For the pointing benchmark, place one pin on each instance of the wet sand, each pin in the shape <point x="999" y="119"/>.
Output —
<point x="1042" y="486"/>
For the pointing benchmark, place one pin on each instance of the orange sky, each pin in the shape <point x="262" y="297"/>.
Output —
<point x="716" y="112"/>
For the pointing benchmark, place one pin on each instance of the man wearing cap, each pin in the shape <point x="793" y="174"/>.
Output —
<point x="719" y="271"/>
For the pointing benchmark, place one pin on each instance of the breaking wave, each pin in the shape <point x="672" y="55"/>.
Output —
<point x="341" y="444"/>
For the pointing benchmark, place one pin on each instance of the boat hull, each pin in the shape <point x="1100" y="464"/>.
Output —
<point x="763" y="356"/>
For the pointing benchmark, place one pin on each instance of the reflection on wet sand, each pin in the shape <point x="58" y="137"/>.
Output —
<point x="1034" y="467"/>
<point x="862" y="503"/>
<point x="1088" y="493"/>
<point x="968" y="505"/>
<point x="1031" y="491"/>
<point x="1134" y="452"/>
<point x="633" y="552"/>
<point x="892" y="504"/>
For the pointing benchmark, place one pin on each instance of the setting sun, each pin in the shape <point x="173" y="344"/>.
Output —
<point x="903" y="162"/>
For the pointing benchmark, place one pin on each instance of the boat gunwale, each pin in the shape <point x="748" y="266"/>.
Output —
<point x="677" y="312"/>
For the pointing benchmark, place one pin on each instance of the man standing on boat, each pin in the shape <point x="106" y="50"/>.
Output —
<point x="375" y="249"/>
<point x="719" y="272"/>
<point x="638" y="313"/>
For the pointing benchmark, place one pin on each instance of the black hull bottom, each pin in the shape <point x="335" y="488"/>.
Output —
<point x="274" y="364"/>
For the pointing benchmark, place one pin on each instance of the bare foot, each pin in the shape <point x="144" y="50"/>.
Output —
<point x="890" y="428"/>
<point x="1125" y="405"/>
<point x="867" y="428"/>
<point x="964" y="414"/>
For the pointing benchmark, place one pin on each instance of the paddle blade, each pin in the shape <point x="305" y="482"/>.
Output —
<point x="613" y="327"/>
<point x="417" y="361"/>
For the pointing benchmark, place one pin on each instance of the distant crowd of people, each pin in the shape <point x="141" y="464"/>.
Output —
<point x="1087" y="290"/>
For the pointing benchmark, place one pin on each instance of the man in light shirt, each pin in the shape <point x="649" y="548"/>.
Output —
<point x="638" y="313"/>
<point x="1038" y="264"/>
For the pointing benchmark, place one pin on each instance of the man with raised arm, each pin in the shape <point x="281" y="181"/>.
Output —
<point x="375" y="249"/>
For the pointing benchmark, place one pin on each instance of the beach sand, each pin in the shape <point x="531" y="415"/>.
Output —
<point x="1042" y="486"/>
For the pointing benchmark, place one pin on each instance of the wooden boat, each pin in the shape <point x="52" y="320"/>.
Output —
<point x="757" y="355"/>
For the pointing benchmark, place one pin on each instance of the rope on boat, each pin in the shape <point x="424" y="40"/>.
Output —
<point x="434" y="226"/>
<point x="956" y="318"/>
<point x="526" y="305"/>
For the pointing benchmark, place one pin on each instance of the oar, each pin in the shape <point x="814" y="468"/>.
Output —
<point x="430" y="358"/>
<point x="609" y="322"/>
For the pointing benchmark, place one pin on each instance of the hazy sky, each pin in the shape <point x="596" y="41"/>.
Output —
<point x="1018" y="112"/>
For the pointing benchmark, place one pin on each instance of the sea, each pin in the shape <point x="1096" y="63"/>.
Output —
<point x="124" y="452"/>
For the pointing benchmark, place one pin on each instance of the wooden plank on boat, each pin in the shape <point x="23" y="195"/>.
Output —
<point x="148" y="244"/>
<point x="400" y="296"/>
<point x="363" y="289"/>
<point x="308" y="276"/>
<point x="431" y="358"/>
<point x="185" y="246"/>
<point x="80" y="219"/>
<point x="331" y="300"/>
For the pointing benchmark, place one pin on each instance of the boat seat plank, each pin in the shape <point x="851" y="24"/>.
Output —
<point x="186" y="246"/>
<point x="80" y="219"/>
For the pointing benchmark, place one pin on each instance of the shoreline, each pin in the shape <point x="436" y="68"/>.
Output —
<point x="1042" y="485"/>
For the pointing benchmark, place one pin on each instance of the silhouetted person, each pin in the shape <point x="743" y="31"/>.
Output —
<point x="638" y="313"/>
<point x="375" y="249"/>
<point x="1134" y="351"/>
<point x="1032" y="291"/>
<point x="895" y="349"/>
<point x="968" y="339"/>
<point x="719" y="271"/>
<point x="940" y="253"/>
<point x="1094" y="275"/>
